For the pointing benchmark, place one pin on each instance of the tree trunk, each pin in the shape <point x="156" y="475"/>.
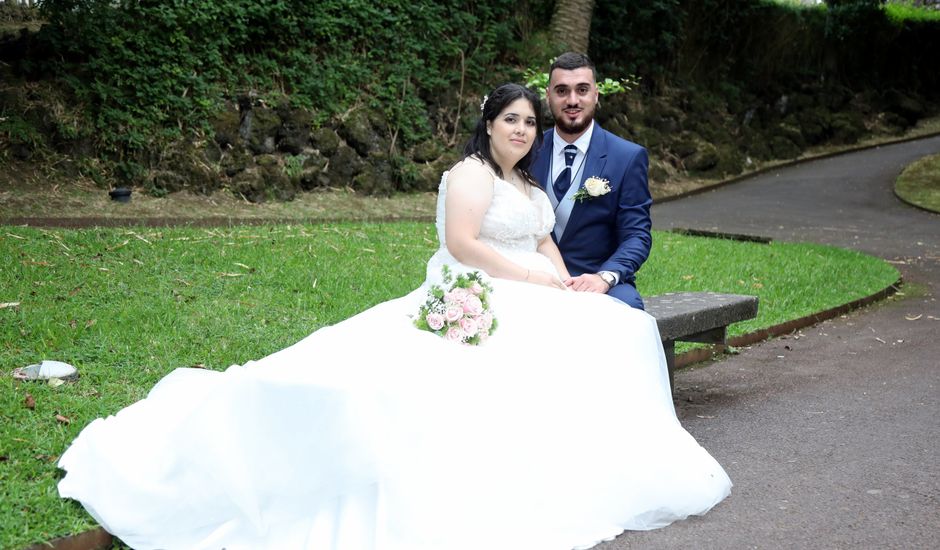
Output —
<point x="571" y="25"/>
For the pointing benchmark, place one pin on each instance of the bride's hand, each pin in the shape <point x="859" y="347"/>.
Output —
<point x="545" y="278"/>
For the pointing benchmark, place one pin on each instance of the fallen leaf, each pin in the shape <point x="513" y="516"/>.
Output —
<point x="688" y="277"/>
<point x="90" y="323"/>
<point x="141" y="238"/>
<point x="63" y="419"/>
<point x="29" y="402"/>
<point x="115" y="247"/>
<point x="913" y="317"/>
<point x="230" y="274"/>
<point x="55" y="382"/>
<point x="73" y="323"/>
<point x="758" y="285"/>
<point x="6" y="305"/>
<point x="242" y="265"/>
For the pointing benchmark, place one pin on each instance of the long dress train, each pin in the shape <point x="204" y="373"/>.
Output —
<point x="557" y="433"/>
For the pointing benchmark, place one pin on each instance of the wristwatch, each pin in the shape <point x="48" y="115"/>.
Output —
<point x="609" y="278"/>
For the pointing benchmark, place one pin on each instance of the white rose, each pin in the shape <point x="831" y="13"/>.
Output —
<point x="596" y="186"/>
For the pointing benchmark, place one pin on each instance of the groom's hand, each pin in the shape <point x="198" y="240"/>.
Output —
<point x="589" y="282"/>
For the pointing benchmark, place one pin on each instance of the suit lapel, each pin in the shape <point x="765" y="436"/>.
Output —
<point x="542" y="158"/>
<point x="593" y="166"/>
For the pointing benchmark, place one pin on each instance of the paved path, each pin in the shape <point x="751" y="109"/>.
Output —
<point x="831" y="436"/>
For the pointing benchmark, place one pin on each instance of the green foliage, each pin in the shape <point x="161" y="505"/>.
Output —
<point x="17" y="131"/>
<point x="293" y="165"/>
<point x="901" y="12"/>
<point x="765" y="46"/>
<point x="638" y="38"/>
<point x="146" y="66"/>
<point x="623" y="85"/>
<point x="537" y="80"/>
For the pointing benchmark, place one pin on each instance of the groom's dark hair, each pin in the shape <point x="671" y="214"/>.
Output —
<point x="570" y="61"/>
<point x="493" y="104"/>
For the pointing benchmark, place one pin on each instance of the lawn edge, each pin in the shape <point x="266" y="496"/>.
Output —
<point x="699" y="355"/>
<point x="93" y="539"/>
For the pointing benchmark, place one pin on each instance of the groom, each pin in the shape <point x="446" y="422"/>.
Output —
<point x="604" y="237"/>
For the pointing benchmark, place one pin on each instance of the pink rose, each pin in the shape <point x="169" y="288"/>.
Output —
<point x="468" y="325"/>
<point x="453" y="313"/>
<point x="435" y="321"/>
<point x="476" y="289"/>
<point x="473" y="306"/>
<point x="486" y="321"/>
<point x="457" y="295"/>
<point x="454" y="334"/>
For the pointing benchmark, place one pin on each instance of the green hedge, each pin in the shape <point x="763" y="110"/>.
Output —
<point x="141" y="65"/>
<point x="769" y="45"/>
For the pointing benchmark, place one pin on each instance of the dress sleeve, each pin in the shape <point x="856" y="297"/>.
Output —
<point x="546" y="214"/>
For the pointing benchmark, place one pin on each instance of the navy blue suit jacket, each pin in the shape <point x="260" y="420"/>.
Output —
<point x="610" y="232"/>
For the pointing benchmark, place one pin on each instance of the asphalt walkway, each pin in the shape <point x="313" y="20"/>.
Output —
<point x="831" y="435"/>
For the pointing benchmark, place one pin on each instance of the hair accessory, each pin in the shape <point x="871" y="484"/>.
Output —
<point x="483" y="103"/>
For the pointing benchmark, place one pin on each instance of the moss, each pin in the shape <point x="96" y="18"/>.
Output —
<point x="325" y="140"/>
<point x="376" y="177"/>
<point x="358" y="133"/>
<point x="263" y="130"/>
<point x="847" y="127"/>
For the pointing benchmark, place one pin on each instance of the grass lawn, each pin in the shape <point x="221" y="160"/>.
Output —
<point x="126" y="306"/>
<point x="919" y="183"/>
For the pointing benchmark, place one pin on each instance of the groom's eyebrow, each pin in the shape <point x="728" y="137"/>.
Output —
<point x="577" y="85"/>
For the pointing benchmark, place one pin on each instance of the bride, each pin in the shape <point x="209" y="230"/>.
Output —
<point x="557" y="432"/>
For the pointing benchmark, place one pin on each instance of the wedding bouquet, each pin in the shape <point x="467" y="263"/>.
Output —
<point x="460" y="310"/>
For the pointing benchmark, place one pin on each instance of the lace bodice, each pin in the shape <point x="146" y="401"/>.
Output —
<point x="513" y="225"/>
<point x="512" y="222"/>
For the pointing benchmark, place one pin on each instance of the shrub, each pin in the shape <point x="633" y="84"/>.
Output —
<point x="145" y="67"/>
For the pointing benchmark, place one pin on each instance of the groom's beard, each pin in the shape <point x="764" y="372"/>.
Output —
<point x="573" y="127"/>
<point x="577" y="126"/>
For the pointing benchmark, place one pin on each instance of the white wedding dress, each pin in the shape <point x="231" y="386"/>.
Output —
<point x="557" y="433"/>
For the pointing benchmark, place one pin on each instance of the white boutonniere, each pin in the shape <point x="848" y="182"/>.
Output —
<point x="593" y="187"/>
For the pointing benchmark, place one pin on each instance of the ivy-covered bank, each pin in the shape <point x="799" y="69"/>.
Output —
<point x="268" y="99"/>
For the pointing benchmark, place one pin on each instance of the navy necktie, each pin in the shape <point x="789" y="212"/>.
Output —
<point x="563" y="182"/>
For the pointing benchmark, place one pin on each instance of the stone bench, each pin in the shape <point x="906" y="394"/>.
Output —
<point x="696" y="317"/>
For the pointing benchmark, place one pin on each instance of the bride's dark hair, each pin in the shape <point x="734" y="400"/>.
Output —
<point x="493" y="104"/>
